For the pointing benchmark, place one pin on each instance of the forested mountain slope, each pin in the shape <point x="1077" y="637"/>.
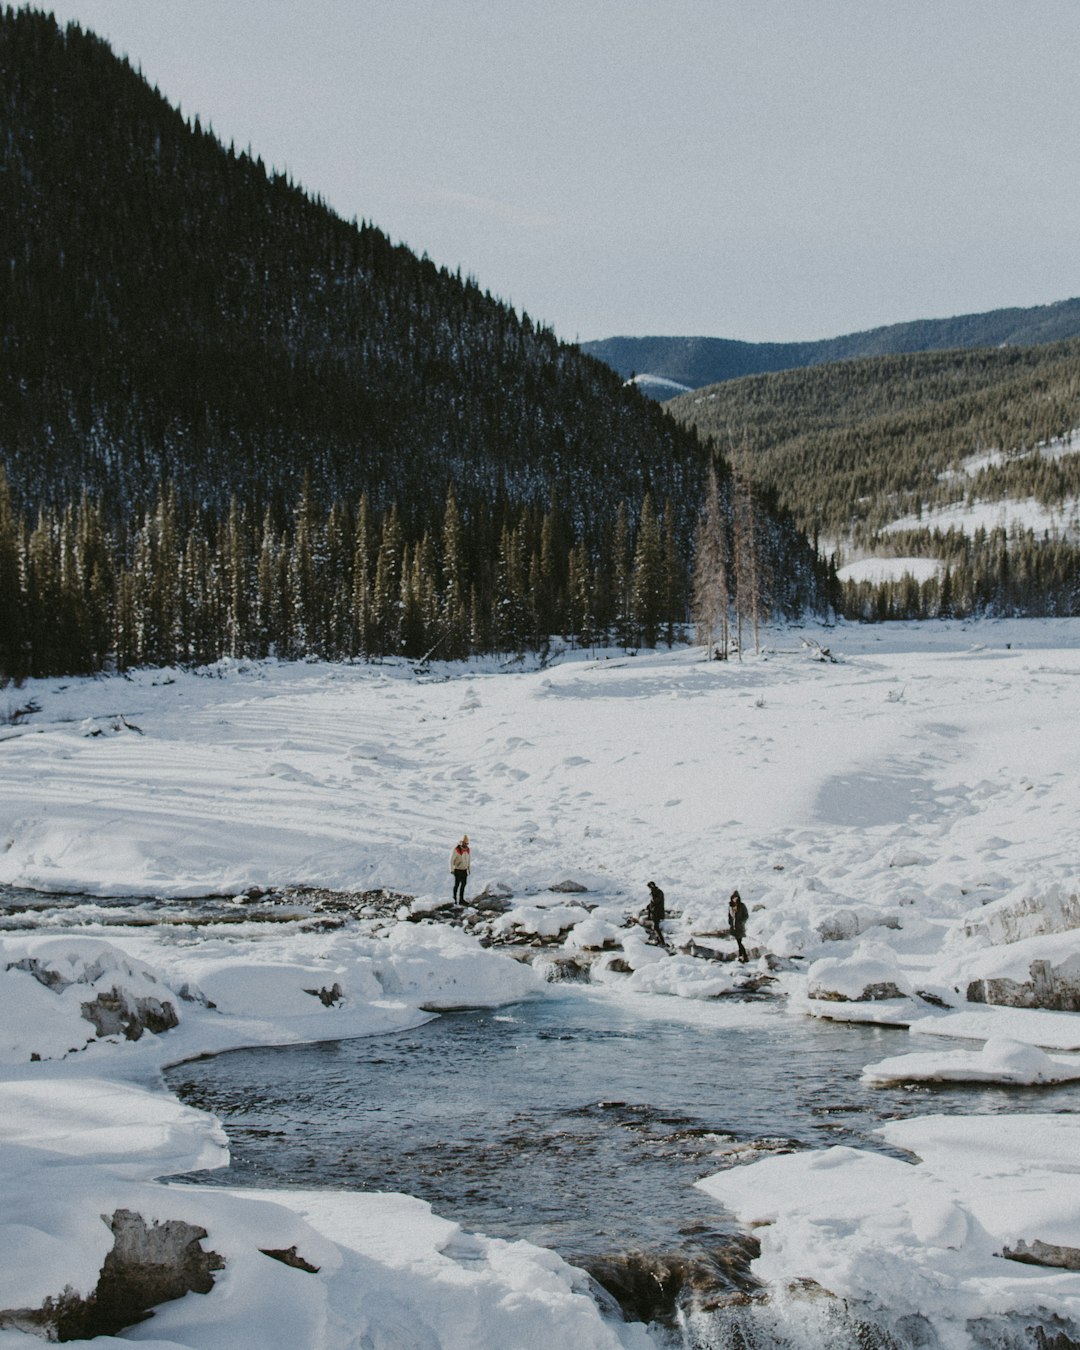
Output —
<point x="868" y="454"/>
<point x="233" y="422"/>
<point x="694" y="362"/>
<point x="170" y="309"/>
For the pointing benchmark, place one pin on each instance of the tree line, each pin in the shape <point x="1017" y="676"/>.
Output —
<point x="991" y="573"/>
<point x="188" y="585"/>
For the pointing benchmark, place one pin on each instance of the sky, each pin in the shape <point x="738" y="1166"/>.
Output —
<point x="768" y="170"/>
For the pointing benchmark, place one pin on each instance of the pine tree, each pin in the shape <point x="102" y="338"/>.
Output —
<point x="362" y="630"/>
<point x="95" y="581"/>
<point x="674" y="606"/>
<point x="647" y="586"/>
<point x="454" y="607"/>
<point x="14" y="639"/>
<point x="236" y="566"/>
<point x="337" y="585"/>
<point x="510" y="609"/>
<point x="579" y="613"/>
<point x="620" y="573"/>
<point x="305" y="618"/>
<point x="268" y="591"/>
<point x="386" y="589"/>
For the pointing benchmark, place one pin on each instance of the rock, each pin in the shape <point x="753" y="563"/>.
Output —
<point x="1016" y="917"/>
<point x="1038" y="1253"/>
<point x="849" y="921"/>
<point x="871" y="974"/>
<point x="1042" y="990"/>
<point x="494" y="890"/>
<point x="289" y="1256"/>
<point x="329" y="998"/>
<point x="568" y="888"/>
<point x="149" y="1264"/>
<point x="118" y="1011"/>
<point x="492" y="904"/>
<point x="706" y="1272"/>
<point x="1038" y="972"/>
<point x="564" y="969"/>
<point x="594" y="935"/>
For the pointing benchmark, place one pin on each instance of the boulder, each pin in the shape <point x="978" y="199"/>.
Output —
<point x="1024" y="914"/>
<point x="149" y="1263"/>
<point x="870" y="974"/>
<point x="848" y="921"/>
<point x="1038" y="1253"/>
<point x="1038" y="972"/>
<point x="117" y="1012"/>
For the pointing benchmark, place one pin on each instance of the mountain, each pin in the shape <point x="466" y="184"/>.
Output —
<point x="236" y="423"/>
<point x="970" y="459"/>
<point x="693" y="362"/>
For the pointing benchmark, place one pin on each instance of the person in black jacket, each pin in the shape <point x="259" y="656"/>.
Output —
<point x="654" y="913"/>
<point x="737" y="917"/>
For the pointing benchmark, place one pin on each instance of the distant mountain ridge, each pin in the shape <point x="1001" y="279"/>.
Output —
<point x="694" y="362"/>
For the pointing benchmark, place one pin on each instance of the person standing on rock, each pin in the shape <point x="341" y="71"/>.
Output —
<point x="460" y="867"/>
<point x="654" y="912"/>
<point x="737" y="917"/>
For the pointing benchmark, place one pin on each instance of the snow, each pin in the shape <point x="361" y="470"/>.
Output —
<point x="659" y="386"/>
<point x="923" y="1239"/>
<point x="999" y="1061"/>
<point x="902" y="817"/>
<point x="890" y="569"/>
<point x="1007" y="514"/>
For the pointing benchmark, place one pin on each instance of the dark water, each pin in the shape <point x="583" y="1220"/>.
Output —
<point x="579" y="1122"/>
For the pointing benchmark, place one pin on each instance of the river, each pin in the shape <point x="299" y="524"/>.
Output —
<point x="579" y="1121"/>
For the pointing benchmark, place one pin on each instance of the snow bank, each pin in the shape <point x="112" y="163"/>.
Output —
<point x="999" y="1061"/>
<point x="1036" y="972"/>
<point x="872" y="972"/>
<point x="57" y="995"/>
<point x="442" y="968"/>
<point x="924" y="1241"/>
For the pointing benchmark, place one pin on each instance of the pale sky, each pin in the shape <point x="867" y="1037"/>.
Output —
<point x="769" y="170"/>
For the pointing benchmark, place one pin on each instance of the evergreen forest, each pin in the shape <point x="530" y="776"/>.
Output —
<point x="854" y="447"/>
<point x="233" y="423"/>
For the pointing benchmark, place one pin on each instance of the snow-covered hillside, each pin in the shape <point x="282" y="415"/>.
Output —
<point x="896" y="805"/>
<point x="980" y="508"/>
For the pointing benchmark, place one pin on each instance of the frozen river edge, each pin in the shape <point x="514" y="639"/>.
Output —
<point x="869" y="854"/>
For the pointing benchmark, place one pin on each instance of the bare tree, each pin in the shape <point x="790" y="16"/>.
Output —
<point x="712" y="600"/>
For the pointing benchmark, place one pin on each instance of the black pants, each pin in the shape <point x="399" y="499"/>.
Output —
<point x="742" y="950"/>
<point x="459" y="886"/>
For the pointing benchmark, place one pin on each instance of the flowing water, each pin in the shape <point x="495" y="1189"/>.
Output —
<point x="578" y="1121"/>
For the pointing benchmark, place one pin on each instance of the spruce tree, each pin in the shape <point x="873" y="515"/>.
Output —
<point x="647" y="585"/>
<point x="14" y="638"/>
<point x="454" y="641"/>
<point x="619" y="569"/>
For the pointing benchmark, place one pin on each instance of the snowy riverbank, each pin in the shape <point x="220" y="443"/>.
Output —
<point x="900" y="821"/>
